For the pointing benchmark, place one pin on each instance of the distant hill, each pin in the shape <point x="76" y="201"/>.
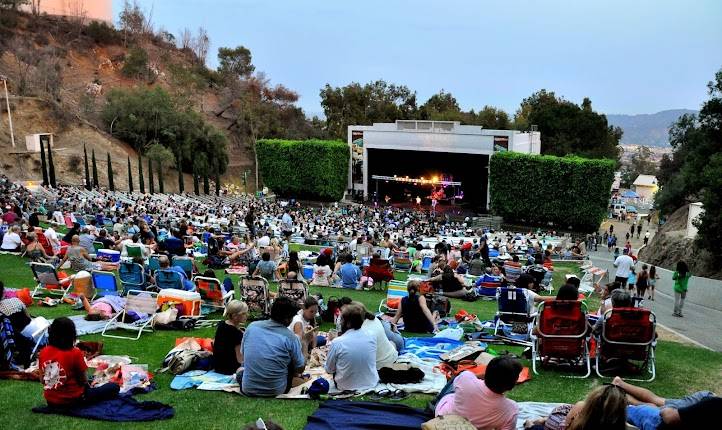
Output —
<point x="647" y="129"/>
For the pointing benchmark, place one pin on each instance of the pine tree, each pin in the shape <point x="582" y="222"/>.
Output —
<point x="43" y="164"/>
<point x="51" y="168"/>
<point x="206" y="185"/>
<point x="95" y="170"/>
<point x="111" y="185"/>
<point x="160" y="177"/>
<point x="181" y="185"/>
<point x="151" y="186"/>
<point x="218" y="184"/>
<point x="140" y="173"/>
<point x="195" y="183"/>
<point x="87" y="170"/>
<point x="130" y="177"/>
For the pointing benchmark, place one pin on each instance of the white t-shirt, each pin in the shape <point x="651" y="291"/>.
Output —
<point x="298" y="318"/>
<point x="321" y="275"/>
<point x="264" y="241"/>
<point x="51" y="235"/>
<point x="624" y="264"/>
<point x="11" y="241"/>
<point x="352" y="361"/>
<point x="386" y="353"/>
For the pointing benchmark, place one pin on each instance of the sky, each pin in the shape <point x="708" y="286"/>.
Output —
<point x="628" y="57"/>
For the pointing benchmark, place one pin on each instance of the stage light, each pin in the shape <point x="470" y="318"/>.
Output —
<point x="436" y="179"/>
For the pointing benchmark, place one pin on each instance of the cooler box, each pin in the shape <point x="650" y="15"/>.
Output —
<point x="83" y="284"/>
<point x="308" y="272"/>
<point x="109" y="255"/>
<point x="189" y="302"/>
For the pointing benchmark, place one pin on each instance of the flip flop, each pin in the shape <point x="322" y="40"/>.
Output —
<point x="398" y="395"/>
<point x="381" y="394"/>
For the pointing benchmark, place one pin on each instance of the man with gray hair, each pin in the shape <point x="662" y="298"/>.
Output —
<point x="86" y="240"/>
<point x="620" y="299"/>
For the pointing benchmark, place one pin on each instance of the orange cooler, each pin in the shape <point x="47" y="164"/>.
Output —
<point x="189" y="301"/>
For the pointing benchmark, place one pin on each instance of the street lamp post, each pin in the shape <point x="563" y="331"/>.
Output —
<point x="7" y="101"/>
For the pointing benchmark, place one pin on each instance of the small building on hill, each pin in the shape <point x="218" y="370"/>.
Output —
<point x="646" y="186"/>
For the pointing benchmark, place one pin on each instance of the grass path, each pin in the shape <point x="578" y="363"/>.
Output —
<point x="681" y="369"/>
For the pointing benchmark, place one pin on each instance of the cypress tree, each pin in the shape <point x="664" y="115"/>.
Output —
<point x="95" y="170"/>
<point x="160" y="177"/>
<point x="206" y="185"/>
<point x="130" y="177"/>
<point x="87" y="170"/>
<point x="195" y="183"/>
<point x="43" y="164"/>
<point x="181" y="185"/>
<point x="51" y="168"/>
<point x="111" y="185"/>
<point x="140" y="173"/>
<point x="151" y="186"/>
<point x="218" y="184"/>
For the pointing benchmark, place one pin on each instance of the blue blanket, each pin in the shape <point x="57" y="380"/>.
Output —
<point x="122" y="409"/>
<point x="347" y="415"/>
<point x="429" y="347"/>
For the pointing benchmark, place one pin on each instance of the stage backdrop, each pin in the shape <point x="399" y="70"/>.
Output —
<point x="469" y="169"/>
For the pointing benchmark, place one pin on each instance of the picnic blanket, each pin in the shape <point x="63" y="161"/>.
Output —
<point x="205" y="380"/>
<point x="122" y="409"/>
<point x="532" y="410"/>
<point x="430" y="348"/>
<point x="346" y="415"/>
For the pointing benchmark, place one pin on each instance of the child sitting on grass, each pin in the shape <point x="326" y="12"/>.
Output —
<point x="63" y="370"/>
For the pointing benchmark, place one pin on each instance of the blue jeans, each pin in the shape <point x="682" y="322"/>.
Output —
<point x="687" y="400"/>
<point x="393" y="336"/>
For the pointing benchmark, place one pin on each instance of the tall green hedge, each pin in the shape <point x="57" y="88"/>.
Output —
<point x="565" y="191"/>
<point x="316" y="169"/>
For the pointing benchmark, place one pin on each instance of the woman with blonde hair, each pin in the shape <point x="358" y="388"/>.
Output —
<point x="605" y="408"/>
<point x="227" y="351"/>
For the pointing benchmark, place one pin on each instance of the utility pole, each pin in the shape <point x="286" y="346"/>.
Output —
<point x="7" y="101"/>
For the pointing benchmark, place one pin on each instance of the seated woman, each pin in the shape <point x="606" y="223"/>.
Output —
<point x="227" y="352"/>
<point x="448" y="282"/>
<point x="303" y="326"/>
<point x="102" y="308"/>
<point x="415" y="312"/>
<point x="352" y="357"/>
<point x="35" y="251"/>
<point x="267" y="268"/>
<point x="294" y="265"/>
<point x="322" y="273"/>
<point x="11" y="240"/>
<point x="386" y="353"/>
<point x="63" y="370"/>
<point x="80" y="259"/>
<point x="15" y="311"/>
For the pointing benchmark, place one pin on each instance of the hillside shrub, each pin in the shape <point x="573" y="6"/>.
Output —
<point x="561" y="191"/>
<point x="316" y="169"/>
<point x="102" y="33"/>
<point x="136" y="63"/>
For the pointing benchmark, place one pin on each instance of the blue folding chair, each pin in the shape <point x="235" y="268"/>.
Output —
<point x="166" y="278"/>
<point x="104" y="283"/>
<point x="132" y="277"/>
<point x="513" y="308"/>
<point x="426" y="264"/>
<point x="185" y="263"/>
<point x="154" y="263"/>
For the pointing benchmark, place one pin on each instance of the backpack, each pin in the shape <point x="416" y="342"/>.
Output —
<point x="181" y="360"/>
<point x="329" y="314"/>
<point x="440" y="304"/>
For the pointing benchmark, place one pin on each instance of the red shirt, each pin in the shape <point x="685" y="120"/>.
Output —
<point x="63" y="374"/>
<point x="466" y="246"/>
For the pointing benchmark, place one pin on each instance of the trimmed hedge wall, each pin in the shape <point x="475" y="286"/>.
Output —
<point x="565" y="191"/>
<point x="315" y="169"/>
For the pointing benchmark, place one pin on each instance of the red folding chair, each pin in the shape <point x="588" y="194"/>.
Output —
<point x="628" y="334"/>
<point x="561" y="334"/>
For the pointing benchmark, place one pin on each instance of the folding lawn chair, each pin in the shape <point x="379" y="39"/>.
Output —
<point x="132" y="277"/>
<point x="628" y="334"/>
<point x="211" y="292"/>
<point x="562" y="334"/>
<point x="379" y="270"/>
<point x="402" y="261"/>
<point x="48" y="280"/>
<point x="134" y="251"/>
<point x="167" y="278"/>
<point x="426" y="264"/>
<point x="488" y="290"/>
<point x="294" y="289"/>
<point x="97" y="246"/>
<point x="513" y="309"/>
<point x="395" y="292"/>
<point x="254" y="291"/>
<point x="154" y="263"/>
<point x="47" y="247"/>
<point x="104" y="283"/>
<point x="512" y="272"/>
<point x="185" y="263"/>
<point x="137" y="303"/>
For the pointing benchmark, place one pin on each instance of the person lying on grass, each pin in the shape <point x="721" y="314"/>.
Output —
<point x="229" y="337"/>
<point x="271" y="353"/>
<point x="482" y="402"/>
<point x="102" y="308"/>
<point x="63" y="370"/>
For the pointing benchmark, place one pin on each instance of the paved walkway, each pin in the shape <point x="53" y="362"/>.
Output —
<point x="701" y="324"/>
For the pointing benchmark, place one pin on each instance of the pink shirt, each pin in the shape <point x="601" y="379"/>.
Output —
<point x="485" y="409"/>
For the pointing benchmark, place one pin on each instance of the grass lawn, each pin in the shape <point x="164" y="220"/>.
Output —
<point x="681" y="369"/>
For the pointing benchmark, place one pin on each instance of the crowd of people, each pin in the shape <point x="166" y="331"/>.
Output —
<point x="268" y="357"/>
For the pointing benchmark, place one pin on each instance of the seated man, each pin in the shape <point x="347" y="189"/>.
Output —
<point x="164" y="263"/>
<point x="352" y="357"/>
<point x="350" y="273"/>
<point x="271" y="352"/>
<point x="482" y="402"/>
<point x="267" y="268"/>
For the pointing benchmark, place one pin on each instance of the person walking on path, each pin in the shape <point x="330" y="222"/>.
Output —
<point x="681" y="280"/>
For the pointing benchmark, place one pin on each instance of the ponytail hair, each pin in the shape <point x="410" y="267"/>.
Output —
<point x="413" y="287"/>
